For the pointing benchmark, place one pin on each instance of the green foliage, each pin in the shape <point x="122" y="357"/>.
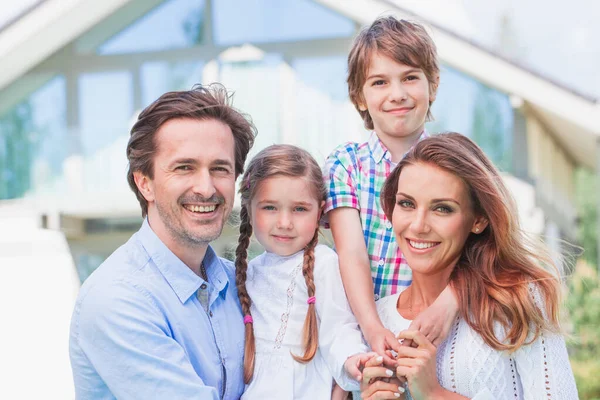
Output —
<point x="583" y="304"/>
<point x="583" y="301"/>
<point x="489" y="127"/>
<point x="586" y="194"/>
<point x="16" y="151"/>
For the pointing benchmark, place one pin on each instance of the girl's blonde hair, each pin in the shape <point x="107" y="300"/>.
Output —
<point x="277" y="160"/>
<point x="502" y="276"/>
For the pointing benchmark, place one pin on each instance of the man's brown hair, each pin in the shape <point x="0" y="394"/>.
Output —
<point x="211" y="102"/>
<point x="403" y="41"/>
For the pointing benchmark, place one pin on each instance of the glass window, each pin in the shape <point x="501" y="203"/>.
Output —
<point x="106" y="112"/>
<point x="324" y="116"/>
<point x="243" y="21"/>
<point x="161" y="77"/>
<point x="173" y="24"/>
<point x="326" y="74"/>
<point x="303" y="104"/>
<point x="34" y="142"/>
<point x="469" y="107"/>
<point x="257" y="89"/>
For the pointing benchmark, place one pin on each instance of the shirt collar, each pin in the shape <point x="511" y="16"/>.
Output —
<point x="378" y="149"/>
<point x="179" y="276"/>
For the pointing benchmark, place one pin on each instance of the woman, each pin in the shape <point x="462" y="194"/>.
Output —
<point x="456" y="223"/>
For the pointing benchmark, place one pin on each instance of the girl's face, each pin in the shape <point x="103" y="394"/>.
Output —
<point x="285" y="214"/>
<point x="432" y="219"/>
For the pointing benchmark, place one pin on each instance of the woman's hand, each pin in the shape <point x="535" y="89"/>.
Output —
<point x="418" y="366"/>
<point x="378" y="382"/>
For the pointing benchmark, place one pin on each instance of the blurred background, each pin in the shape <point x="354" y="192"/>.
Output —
<point x="519" y="77"/>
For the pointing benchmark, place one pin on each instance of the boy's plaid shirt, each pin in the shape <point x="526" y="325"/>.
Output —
<point x="354" y="175"/>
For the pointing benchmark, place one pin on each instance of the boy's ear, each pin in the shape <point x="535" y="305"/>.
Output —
<point x="144" y="185"/>
<point x="360" y="102"/>
<point x="434" y="88"/>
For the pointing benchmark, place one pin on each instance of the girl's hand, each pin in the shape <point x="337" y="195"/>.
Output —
<point x="355" y="364"/>
<point x="378" y="382"/>
<point x="436" y="321"/>
<point x="338" y="393"/>
<point x="381" y="340"/>
<point x="418" y="366"/>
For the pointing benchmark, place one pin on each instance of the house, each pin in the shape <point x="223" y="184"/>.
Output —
<point x="75" y="74"/>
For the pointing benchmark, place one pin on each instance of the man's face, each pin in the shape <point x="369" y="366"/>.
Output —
<point x="193" y="189"/>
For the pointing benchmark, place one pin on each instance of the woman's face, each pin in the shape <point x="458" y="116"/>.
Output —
<point x="432" y="218"/>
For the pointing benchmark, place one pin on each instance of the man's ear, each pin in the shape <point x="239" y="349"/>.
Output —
<point x="479" y="225"/>
<point x="144" y="185"/>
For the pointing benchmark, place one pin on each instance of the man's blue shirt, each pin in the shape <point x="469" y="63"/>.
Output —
<point x="139" y="331"/>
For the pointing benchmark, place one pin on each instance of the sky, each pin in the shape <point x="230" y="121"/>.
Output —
<point x="559" y="39"/>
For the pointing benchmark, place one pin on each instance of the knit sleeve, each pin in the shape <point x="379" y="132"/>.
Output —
<point x="543" y="366"/>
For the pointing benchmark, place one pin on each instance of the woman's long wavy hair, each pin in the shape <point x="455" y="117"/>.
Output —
<point x="502" y="276"/>
<point x="274" y="161"/>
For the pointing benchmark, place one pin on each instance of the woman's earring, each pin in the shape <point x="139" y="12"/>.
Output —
<point x="476" y="230"/>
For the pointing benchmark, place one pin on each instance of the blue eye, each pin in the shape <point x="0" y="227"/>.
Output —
<point x="405" y="203"/>
<point x="443" y="209"/>
<point x="378" y="82"/>
<point x="268" y="208"/>
<point x="300" y="209"/>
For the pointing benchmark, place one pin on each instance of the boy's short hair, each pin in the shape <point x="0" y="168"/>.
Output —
<point x="403" y="41"/>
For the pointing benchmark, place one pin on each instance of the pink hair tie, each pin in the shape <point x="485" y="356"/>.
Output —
<point x="311" y="300"/>
<point x="248" y="319"/>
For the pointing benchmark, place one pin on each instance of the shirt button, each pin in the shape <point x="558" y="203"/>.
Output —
<point x="381" y="262"/>
<point x="388" y="225"/>
<point x="210" y="313"/>
<point x="203" y="286"/>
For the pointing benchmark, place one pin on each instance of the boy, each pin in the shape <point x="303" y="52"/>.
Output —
<point x="393" y="75"/>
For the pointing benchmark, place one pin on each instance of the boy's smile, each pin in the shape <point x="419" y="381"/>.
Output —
<point x="397" y="98"/>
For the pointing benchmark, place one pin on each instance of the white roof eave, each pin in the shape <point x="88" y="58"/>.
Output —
<point x="46" y="29"/>
<point x="540" y="94"/>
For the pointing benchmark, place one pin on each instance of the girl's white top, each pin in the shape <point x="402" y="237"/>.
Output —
<point x="468" y="366"/>
<point x="279" y="305"/>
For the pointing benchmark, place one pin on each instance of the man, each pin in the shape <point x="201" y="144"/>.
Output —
<point x="160" y="318"/>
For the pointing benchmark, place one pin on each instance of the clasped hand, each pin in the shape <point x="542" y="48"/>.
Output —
<point x="415" y="365"/>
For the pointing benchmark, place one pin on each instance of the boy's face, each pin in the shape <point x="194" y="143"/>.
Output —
<point x="397" y="98"/>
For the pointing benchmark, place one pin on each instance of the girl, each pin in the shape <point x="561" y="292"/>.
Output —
<point x="300" y="332"/>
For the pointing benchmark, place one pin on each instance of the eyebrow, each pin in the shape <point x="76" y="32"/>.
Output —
<point x="193" y="161"/>
<point x="297" y="203"/>
<point x="223" y="162"/>
<point x="440" y="200"/>
<point x="407" y="72"/>
<point x="183" y="161"/>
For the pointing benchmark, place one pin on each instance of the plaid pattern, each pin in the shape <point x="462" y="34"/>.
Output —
<point x="354" y="175"/>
